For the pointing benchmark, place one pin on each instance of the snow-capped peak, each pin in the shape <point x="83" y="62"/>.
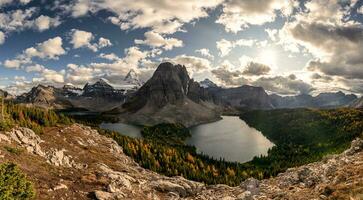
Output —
<point x="132" y="78"/>
<point x="206" y="83"/>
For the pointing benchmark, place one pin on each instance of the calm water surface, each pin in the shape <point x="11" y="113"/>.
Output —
<point x="230" y="138"/>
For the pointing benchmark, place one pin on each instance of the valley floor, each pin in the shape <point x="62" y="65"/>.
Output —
<point x="75" y="162"/>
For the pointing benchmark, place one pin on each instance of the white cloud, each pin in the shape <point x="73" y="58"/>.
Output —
<point x="83" y="39"/>
<point x="19" y="78"/>
<point x="360" y="10"/>
<point x="50" y="49"/>
<point x="44" y="22"/>
<point x="2" y="37"/>
<point x="272" y="33"/>
<point x="34" y="68"/>
<point x="25" y="1"/>
<point x="80" y="8"/>
<point x="205" y="52"/>
<point x="16" y="20"/>
<point x="7" y="2"/>
<point x="52" y="76"/>
<point x="163" y="16"/>
<point x="15" y="64"/>
<point x="103" y="42"/>
<point x="225" y="46"/>
<point x="110" y="56"/>
<point x="238" y="15"/>
<point x="154" y="39"/>
<point x="192" y="63"/>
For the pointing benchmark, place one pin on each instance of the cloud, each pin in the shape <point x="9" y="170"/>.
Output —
<point x="192" y="63"/>
<point x="336" y="44"/>
<point x="284" y="85"/>
<point x="12" y="64"/>
<point x="154" y="39"/>
<point x="103" y="42"/>
<point x="228" y="76"/>
<point x="34" y="68"/>
<point x="44" y="22"/>
<point x="205" y="52"/>
<point x="256" y="69"/>
<point x="83" y="39"/>
<point x="2" y="37"/>
<point x="225" y="46"/>
<point x="238" y="15"/>
<point x="49" y="49"/>
<point x="360" y="10"/>
<point x="19" y="78"/>
<point x="80" y="8"/>
<point x="163" y="16"/>
<point x="7" y="2"/>
<point x="79" y="75"/>
<point x="16" y="20"/>
<point x="52" y="76"/>
<point x="110" y="56"/>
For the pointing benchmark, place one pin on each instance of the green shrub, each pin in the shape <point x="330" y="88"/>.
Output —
<point x="12" y="150"/>
<point x="14" y="184"/>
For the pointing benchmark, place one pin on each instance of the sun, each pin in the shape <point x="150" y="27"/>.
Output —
<point x="268" y="57"/>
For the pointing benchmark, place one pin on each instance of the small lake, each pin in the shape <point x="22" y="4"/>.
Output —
<point x="230" y="138"/>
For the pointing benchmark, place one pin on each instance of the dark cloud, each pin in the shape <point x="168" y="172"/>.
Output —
<point x="339" y="47"/>
<point x="256" y="69"/>
<point x="284" y="85"/>
<point x="230" y="78"/>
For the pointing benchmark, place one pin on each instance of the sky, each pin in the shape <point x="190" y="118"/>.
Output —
<point x="288" y="47"/>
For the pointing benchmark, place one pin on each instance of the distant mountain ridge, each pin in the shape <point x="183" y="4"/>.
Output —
<point x="100" y="96"/>
<point x="323" y="100"/>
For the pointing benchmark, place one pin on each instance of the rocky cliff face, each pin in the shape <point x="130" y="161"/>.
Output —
<point x="241" y="97"/>
<point x="206" y="83"/>
<point x="169" y="96"/>
<point x="75" y="162"/>
<point x="99" y="96"/>
<point x="358" y="103"/>
<point x="132" y="78"/>
<point x="46" y="97"/>
<point x="6" y="95"/>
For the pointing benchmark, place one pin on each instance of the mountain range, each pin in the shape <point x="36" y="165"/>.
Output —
<point x="99" y="96"/>
<point x="170" y="95"/>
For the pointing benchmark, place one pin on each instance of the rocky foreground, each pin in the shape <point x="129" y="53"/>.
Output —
<point x="75" y="162"/>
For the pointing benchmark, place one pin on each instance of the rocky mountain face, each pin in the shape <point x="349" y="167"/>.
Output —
<point x="76" y="162"/>
<point x="99" y="96"/>
<point x="46" y="97"/>
<point x="170" y="95"/>
<point x="206" y="83"/>
<point x="133" y="79"/>
<point x="323" y="100"/>
<point x="358" y="103"/>
<point x="242" y="97"/>
<point x="6" y="95"/>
